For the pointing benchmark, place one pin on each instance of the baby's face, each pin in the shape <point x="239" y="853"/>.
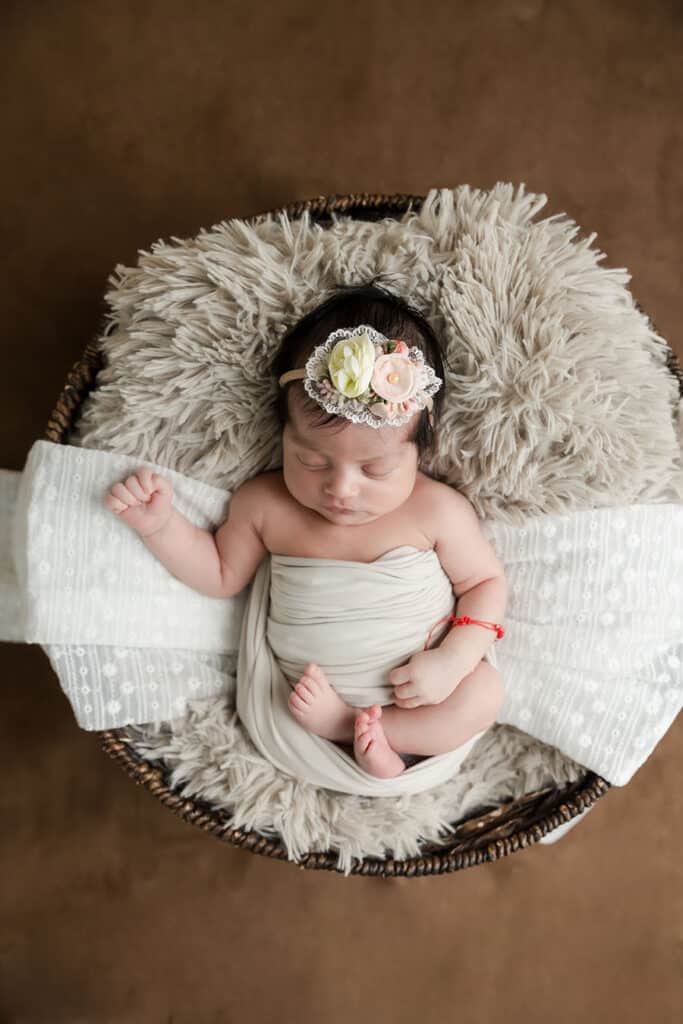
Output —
<point x="366" y="471"/>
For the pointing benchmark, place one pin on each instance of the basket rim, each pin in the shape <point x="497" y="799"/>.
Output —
<point x="485" y="836"/>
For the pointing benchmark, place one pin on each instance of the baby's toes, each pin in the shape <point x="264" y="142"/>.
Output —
<point x="374" y="712"/>
<point x="315" y="674"/>
<point x="367" y="736"/>
<point x="369" y="715"/>
<point x="313" y="685"/>
<point x="362" y="723"/>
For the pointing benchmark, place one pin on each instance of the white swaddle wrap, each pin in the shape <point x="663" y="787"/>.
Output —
<point x="592" y="658"/>
<point x="358" y="621"/>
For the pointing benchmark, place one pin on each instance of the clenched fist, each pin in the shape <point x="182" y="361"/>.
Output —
<point x="427" y="678"/>
<point x="144" y="501"/>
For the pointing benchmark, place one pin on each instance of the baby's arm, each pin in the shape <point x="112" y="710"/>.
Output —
<point x="221" y="564"/>
<point x="479" y="583"/>
<point x="477" y="575"/>
<point x="239" y="540"/>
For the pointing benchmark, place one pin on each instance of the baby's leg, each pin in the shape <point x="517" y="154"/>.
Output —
<point x="380" y="734"/>
<point x="317" y="706"/>
<point x="437" y="728"/>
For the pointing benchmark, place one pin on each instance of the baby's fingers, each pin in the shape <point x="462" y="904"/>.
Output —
<point x="121" y="492"/>
<point x="148" y="480"/>
<point x="152" y="481"/>
<point x="408" y="702"/>
<point x="114" y="503"/>
<point x="406" y="689"/>
<point x="162" y="485"/>
<point x="136" y="489"/>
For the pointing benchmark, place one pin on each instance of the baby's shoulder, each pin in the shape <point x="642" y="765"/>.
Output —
<point x="268" y="485"/>
<point x="434" y="492"/>
<point x="269" y="494"/>
<point x="256" y="495"/>
<point x="440" y="505"/>
<point x="271" y="483"/>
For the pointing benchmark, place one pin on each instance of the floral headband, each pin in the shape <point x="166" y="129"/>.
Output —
<point x="360" y="374"/>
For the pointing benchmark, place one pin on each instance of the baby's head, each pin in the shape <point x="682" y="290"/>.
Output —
<point x="328" y="461"/>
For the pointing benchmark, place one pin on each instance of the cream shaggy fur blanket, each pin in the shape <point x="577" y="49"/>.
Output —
<point x="557" y="398"/>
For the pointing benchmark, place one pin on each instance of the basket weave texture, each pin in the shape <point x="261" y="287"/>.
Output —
<point x="479" y="839"/>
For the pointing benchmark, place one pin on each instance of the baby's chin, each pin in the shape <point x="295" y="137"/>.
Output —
<point x="345" y="518"/>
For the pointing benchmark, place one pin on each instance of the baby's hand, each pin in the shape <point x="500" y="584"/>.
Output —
<point x="428" y="678"/>
<point x="144" y="501"/>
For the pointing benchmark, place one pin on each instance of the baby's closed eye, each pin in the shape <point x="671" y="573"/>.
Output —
<point x="371" y="471"/>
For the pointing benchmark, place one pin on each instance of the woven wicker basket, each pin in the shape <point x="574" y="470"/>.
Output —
<point x="486" y="837"/>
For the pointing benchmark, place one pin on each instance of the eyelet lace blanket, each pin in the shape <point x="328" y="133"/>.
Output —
<point x="591" y="659"/>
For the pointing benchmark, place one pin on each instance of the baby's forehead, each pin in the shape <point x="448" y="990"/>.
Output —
<point x="363" y="441"/>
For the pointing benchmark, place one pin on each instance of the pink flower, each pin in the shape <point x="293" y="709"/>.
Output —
<point x="394" y="378"/>
<point x="401" y="348"/>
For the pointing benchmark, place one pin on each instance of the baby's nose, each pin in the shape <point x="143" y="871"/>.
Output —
<point x="341" y="485"/>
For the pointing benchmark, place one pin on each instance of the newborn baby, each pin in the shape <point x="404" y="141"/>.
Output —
<point x="357" y="411"/>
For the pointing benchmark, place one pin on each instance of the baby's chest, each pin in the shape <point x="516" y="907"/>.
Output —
<point x="365" y="549"/>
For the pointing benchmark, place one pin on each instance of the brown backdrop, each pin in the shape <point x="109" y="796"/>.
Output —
<point x="129" y="122"/>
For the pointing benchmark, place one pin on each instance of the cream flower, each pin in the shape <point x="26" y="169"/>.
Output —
<point x="394" y="378"/>
<point x="351" y="363"/>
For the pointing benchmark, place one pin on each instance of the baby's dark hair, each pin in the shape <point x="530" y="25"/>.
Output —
<point x="350" y="306"/>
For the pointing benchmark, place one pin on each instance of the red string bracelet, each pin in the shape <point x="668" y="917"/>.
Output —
<point x="464" y="620"/>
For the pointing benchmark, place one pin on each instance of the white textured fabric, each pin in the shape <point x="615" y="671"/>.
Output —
<point x="591" y="659"/>
<point x="128" y="641"/>
<point x="11" y="618"/>
<point x="88" y="574"/>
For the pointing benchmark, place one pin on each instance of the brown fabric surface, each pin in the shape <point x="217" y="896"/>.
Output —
<point x="125" y="123"/>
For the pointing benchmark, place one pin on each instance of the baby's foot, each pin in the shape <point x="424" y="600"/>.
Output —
<point x="318" y="707"/>
<point x="371" y="746"/>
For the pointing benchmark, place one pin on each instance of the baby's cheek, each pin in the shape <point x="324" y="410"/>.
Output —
<point x="399" y="491"/>
<point x="291" y="479"/>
